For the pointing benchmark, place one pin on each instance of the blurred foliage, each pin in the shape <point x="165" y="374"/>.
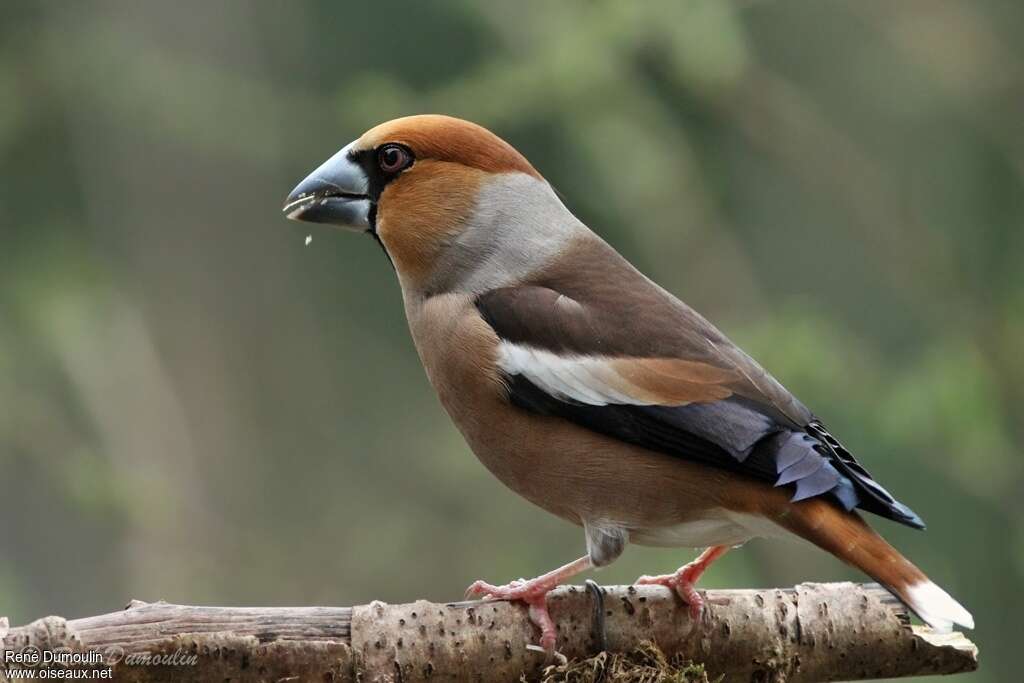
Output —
<point x="196" y="407"/>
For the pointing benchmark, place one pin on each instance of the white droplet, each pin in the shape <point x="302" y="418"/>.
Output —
<point x="309" y="238"/>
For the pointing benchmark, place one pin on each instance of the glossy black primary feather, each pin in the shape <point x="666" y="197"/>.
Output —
<point x="874" y="498"/>
<point x="730" y="434"/>
<point x="610" y="310"/>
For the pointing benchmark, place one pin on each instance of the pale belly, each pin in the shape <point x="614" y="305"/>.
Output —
<point x="714" y="527"/>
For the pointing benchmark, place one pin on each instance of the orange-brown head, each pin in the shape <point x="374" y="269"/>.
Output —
<point x="415" y="183"/>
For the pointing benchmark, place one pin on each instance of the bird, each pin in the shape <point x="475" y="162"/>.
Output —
<point x="587" y="388"/>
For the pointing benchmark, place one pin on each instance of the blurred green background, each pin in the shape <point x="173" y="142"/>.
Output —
<point x="197" y="407"/>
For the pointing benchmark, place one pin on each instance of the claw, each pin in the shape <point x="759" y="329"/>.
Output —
<point x="540" y="616"/>
<point x="534" y="593"/>
<point x="678" y="583"/>
<point x="682" y="582"/>
<point x="478" y="589"/>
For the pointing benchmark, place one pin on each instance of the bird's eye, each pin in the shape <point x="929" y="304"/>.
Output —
<point x="393" y="158"/>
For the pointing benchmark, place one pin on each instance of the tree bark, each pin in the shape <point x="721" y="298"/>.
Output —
<point x="813" y="632"/>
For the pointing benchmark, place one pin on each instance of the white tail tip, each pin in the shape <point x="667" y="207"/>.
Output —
<point x="937" y="608"/>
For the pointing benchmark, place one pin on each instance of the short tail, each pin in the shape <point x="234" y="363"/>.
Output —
<point x="848" y="537"/>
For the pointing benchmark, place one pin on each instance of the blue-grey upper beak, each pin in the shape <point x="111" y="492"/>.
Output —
<point x="335" y="193"/>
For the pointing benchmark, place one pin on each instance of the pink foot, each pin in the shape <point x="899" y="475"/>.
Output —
<point x="682" y="582"/>
<point x="534" y="593"/>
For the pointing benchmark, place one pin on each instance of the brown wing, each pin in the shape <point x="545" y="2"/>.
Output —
<point x="599" y="344"/>
<point x="599" y="304"/>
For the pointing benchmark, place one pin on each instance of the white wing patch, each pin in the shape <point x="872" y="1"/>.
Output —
<point x="591" y="380"/>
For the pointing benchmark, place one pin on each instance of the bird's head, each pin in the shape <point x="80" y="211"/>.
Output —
<point x="446" y="198"/>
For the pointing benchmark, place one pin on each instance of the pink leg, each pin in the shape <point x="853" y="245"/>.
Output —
<point x="684" y="578"/>
<point x="534" y="593"/>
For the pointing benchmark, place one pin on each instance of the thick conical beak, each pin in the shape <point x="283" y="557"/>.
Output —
<point x="335" y="193"/>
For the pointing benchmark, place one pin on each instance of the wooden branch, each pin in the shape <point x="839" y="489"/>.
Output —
<point x="813" y="632"/>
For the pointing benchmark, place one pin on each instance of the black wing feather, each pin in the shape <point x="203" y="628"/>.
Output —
<point x="812" y="462"/>
<point x="776" y="440"/>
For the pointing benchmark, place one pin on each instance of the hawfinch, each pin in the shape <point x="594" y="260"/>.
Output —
<point x="584" y="386"/>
